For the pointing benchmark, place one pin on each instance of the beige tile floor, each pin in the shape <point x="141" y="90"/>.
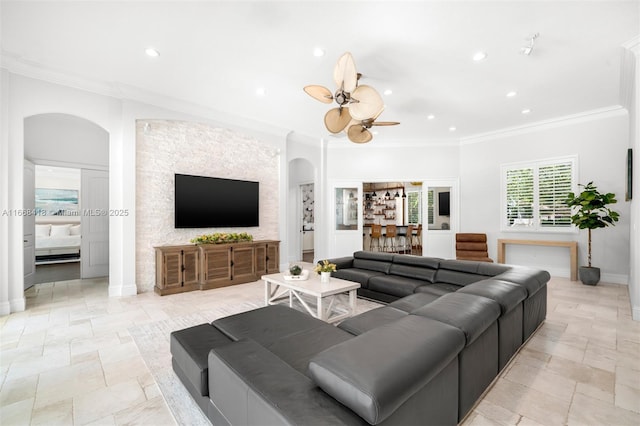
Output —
<point x="69" y="359"/>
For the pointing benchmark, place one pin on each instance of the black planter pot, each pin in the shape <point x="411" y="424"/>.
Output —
<point x="589" y="275"/>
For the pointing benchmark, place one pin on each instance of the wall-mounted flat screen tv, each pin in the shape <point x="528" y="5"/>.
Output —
<point x="208" y="202"/>
<point x="443" y="204"/>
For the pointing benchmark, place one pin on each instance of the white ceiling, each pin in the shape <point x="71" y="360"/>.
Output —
<point x="216" y="54"/>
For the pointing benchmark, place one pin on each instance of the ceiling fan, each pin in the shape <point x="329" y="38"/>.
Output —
<point x="358" y="105"/>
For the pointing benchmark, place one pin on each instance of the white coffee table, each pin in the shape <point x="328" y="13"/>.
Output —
<point x="327" y="306"/>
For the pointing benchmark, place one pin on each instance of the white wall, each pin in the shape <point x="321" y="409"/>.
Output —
<point x="600" y="141"/>
<point x="65" y="140"/>
<point x="24" y="97"/>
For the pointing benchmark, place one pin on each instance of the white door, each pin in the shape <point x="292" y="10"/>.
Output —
<point x="29" y="223"/>
<point x="346" y="232"/>
<point x="442" y="211"/>
<point x="94" y="201"/>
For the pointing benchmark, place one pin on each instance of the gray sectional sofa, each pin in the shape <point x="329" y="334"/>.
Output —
<point x="424" y="358"/>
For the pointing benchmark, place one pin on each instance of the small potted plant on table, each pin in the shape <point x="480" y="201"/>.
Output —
<point x="325" y="269"/>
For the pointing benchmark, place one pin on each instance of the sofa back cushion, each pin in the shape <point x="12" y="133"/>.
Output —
<point x="422" y="262"/>
<point x="373" y="255"/>
<point x="425" y="274"/>
<point x="463" y="272"/>
<point x="372" y="265"/>
<point x="374" y="387"/>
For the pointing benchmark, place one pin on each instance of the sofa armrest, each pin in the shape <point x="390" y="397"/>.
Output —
<point x="408" y="352"/>
<point x="249" y="385"/>
<point x="342" y="262"/>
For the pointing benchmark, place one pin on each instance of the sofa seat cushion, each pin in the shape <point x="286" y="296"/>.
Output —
<point x="415" y="350"/>
<point x="190" y="348"/>
<point x="471" y="314"/>
<point x="394" y="285"/>
<point x="298" y="348"/>
<point x="371" y="319"/>
<point x="508" y="295"/>
<point x="361" y="276"/>
<point x="267" y="324"/>
<point x="439" y="289"/>
<point x="414" y="301"/>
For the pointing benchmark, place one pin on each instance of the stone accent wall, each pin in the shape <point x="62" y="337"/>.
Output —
<point x="166" y="147"/>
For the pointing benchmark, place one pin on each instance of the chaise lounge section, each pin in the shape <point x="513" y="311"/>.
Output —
<point x="426" y="357"/>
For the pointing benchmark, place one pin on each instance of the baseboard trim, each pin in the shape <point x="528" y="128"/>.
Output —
<point x="18" y="305"/>
<point x="635" y="313"/>
<point x="123" y="290"/>
<point x="5" y="308"/>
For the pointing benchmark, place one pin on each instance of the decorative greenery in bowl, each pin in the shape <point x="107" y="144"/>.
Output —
<point x="325" y="266"/>
<point x="222" y="238"/>
<point x="295" y="270"/>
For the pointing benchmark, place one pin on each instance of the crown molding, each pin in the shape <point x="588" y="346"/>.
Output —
<point x="123" y="92"/>
<point x="342" y="142"/>
<point x="633" y="45"/>
<point x="596" y="114"/>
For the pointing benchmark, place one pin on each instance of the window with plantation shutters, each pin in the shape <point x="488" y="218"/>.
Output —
<point x="413" y="207"/>
<point x="533" y="195"/>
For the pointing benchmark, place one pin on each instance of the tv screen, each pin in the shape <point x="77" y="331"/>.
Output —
<point x="443" y="203"/>
<point x="208" y="202"/>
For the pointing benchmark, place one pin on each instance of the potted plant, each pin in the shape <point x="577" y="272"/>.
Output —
<point x="325" y="269"/>
<point x="592" y="213"/>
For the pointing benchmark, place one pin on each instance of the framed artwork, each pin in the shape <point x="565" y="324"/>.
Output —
<point x="56" y="202"/>
<point x="629" y="192"/>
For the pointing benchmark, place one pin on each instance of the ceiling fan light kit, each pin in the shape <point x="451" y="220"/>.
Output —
<point x="358" y="106"/>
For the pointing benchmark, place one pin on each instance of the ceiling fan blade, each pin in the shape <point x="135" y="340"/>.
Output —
<point x="320" y="93"/>
<point x="359" y="134"/>
<point x="385" y="123"/>
<point x="344" y="73"/>
<point x="366" y="103"/>
<point x="352" y="122"/>
<point x="336" y="119"/>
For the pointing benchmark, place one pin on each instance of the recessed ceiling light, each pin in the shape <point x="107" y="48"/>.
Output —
<point x="388" y="92"/>
<point x="318" y="52"/>
<point x="150" y="51"/>
<point x="526" y="111"/>
<point x="261" y="91"/>
<point x="430" y="117"/>
<point x="452" y="129"/>
<point x="511" y="94"/>
<point x="478" y="56"/>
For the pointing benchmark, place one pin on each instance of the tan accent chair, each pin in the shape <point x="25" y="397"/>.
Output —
<point x="471" y="246"/>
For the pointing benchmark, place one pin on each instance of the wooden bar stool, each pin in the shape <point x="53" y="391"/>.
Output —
<point x="416" y="240"/>
<point x="390" y="238"/>
<point x="376" y="234"/>
<point x="408" y="240"/>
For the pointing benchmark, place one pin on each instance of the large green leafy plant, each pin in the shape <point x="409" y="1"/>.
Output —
<point x="591" y="210"/>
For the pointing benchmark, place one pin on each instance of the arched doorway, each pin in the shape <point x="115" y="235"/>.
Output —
<point x="76" y="228"/>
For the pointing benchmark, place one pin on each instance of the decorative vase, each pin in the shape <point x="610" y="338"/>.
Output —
<point x="325" y="277"/>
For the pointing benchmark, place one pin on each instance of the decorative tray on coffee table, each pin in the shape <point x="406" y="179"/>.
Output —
<point x="304" y="275"/>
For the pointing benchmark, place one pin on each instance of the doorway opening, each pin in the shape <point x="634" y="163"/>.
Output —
<point x="308" y="222"/>
<point x="58" y="231"/>
<point x="66" y="186"/>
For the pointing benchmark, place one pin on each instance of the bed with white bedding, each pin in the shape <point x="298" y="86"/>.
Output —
<point x="57" y="243"/>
